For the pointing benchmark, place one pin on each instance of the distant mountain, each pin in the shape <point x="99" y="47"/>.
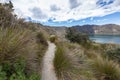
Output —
<point x="108" y="29"/>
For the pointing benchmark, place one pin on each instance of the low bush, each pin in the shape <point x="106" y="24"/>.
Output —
<point x="114" y="54"/>
<point x="76" y="37"/>
<point x="52" y="38"/>
<point x="16" y="71"/>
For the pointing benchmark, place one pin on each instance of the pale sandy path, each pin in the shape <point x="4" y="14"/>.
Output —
<point x="48" y="72"/>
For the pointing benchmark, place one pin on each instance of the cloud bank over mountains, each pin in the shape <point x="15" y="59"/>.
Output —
<point x="64" y="10"/>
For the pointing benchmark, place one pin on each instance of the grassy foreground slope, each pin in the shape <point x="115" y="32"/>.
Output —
<point x="22" y="46"/>
<point x="81" y="59"/>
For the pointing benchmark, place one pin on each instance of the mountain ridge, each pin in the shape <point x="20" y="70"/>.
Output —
<point x="107" y="29"/>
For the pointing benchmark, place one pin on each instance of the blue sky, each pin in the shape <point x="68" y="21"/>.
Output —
<point x="108" y="19"/>
<point x="68" y="12"/>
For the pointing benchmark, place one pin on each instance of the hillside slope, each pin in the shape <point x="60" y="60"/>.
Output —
<point x="107" y="29"/>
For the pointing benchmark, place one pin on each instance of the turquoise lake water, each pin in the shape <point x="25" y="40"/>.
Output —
<point x="105" y="39"/>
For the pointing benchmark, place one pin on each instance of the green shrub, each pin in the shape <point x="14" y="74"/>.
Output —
<point x="16" y="71"/>
<point x="2" y="74"/>
<point x="74" y="36"/>
<point x="114" y="54"/>
<point x="6" y="16"/>
<point x="34" y="77"/>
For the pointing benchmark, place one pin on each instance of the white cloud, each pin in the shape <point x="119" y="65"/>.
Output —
<point x="3" y="1"/>
<point x="64" y="10"/>
<point x="101" y="20"/>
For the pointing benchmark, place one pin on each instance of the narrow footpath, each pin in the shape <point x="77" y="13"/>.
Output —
<point x="48" y="71"/>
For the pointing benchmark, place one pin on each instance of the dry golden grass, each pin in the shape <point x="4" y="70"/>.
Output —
<point x="13" y="43"/>
<point x="105" y="69"/>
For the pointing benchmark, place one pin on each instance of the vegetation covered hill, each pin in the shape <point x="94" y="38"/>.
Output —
<point x="108" y="29"/>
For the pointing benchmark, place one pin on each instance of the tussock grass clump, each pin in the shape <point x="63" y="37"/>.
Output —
<point x="41" y="39"/>
<point x="114" y="54"/>
<point x="42" y="45"/>
<point x="65" y="65"/>
<point x="52" y="38"/>
<point x="105" y="69"/>
<point x="61" y="63"/>
<point x="13" y="43"/>
<point x="72" y="46"/>
<point x="16" y="42"/>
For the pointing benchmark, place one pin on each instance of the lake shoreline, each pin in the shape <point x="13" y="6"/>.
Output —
<point x="110" y="39"/>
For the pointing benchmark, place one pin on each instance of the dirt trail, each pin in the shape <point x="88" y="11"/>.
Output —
<point x="48" y="72"/>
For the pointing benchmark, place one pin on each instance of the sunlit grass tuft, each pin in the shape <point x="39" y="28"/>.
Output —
<point x="61" y="62"/>
<point x="13" y="43"/>
<point x="106" y="69"/>
<point x="53" y="38"/>
<point x="65" y="63"/>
